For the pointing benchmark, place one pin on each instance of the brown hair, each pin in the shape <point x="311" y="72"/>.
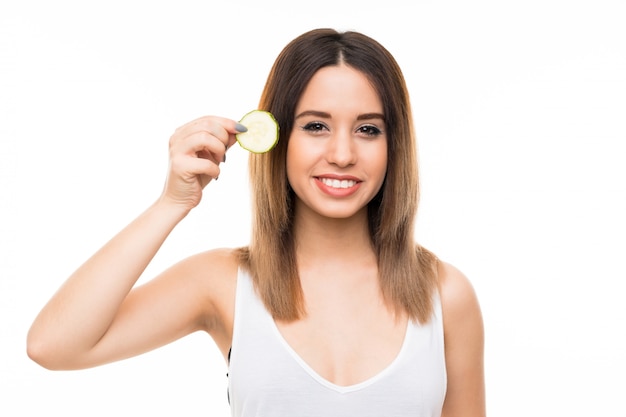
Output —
<point x="407" y="271"/>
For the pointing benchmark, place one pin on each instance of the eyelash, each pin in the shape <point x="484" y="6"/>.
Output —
<point x="314" y="127"/>
<point x="370" y="130"/>
<point x="367" y="130"/>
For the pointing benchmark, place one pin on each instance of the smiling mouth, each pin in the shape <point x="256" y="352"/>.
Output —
<point x="335" y="183"/>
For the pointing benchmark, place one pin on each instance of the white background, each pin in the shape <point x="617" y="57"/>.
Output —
<point x="520" y="111"/>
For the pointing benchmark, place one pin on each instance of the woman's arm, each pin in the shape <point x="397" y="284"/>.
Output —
<point x="94" y="317"/>
<point x="464" y="345"/>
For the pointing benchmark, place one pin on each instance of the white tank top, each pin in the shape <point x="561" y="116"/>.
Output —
<point x="267" y="378"/>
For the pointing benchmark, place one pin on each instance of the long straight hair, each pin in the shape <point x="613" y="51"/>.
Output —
<point x="407" y="271"/>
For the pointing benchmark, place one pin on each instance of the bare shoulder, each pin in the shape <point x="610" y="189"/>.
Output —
<point x="462" y="316"/>
<point x="216" y="265"/>
<point x="212" y="277"/>
<point x="456" y="290"/>
<point x="214" y="273"/>
<point x="464" y="344"/>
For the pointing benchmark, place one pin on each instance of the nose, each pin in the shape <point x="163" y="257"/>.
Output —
<point x="341" y="149"/>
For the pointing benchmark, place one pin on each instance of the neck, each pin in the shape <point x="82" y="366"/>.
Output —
<point x="330" y="239"/>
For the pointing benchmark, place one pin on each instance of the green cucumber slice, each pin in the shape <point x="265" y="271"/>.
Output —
<point x="262" y="133"/>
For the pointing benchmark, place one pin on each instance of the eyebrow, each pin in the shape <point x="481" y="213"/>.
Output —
<point x="324" y="115"/>
<point x="369" y="116"/>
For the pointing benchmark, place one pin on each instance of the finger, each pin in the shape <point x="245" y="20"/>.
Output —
<point x="205" y="168"/>
<point x="230" y="125"/>
<point x="221" y="127"/>
<point x="206" y="131"/>
<point x="190" y="167"/>
<point x="200" y="144"/>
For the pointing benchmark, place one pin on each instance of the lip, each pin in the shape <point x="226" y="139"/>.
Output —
<point x="337" y="192"/>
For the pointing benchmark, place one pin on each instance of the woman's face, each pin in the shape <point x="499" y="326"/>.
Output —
<point x="337" y="151"/>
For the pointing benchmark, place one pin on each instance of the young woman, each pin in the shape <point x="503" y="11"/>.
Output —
<point x="333" y="309"/>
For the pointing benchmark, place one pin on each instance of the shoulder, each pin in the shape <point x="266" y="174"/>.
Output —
<point x="462" y="316"/>
<point x="213" y="276"/>
<point x="212" y="263"/>
<point x="210" y="268"/>
<point x="464" y="344"/>
<point x="214" y="271"/>
<point x="456" y="291"/>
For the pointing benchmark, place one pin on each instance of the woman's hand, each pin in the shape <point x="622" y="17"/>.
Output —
<point x="196" y="150"/>
<point x="94" y="318"/>
<point x="99" y="316"/>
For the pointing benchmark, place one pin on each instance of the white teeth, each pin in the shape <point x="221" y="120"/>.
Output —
<point x="338" y="183"/>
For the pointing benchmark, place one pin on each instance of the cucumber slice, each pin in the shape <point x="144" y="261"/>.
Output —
<point x="262" y="134"/>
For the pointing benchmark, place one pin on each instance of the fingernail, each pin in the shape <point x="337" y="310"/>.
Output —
<point x="224" y="158"/>
<point x="240" y="128"/>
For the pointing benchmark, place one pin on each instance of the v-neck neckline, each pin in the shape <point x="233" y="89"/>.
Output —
<point x="344" y="388"/>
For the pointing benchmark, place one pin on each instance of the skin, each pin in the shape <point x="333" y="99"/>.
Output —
<point x="339" y="135"/>
<point x="99" y="315"/>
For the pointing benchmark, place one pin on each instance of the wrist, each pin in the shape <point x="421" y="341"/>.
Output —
<point x="168" y="208"/>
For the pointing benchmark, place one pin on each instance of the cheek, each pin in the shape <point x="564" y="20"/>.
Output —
<point x="293" y="160"/>
<point x="378" y="161"/>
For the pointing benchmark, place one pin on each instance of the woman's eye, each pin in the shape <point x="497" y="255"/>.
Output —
<point x="314" y="127"/>
<point x="369" y="130"/>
